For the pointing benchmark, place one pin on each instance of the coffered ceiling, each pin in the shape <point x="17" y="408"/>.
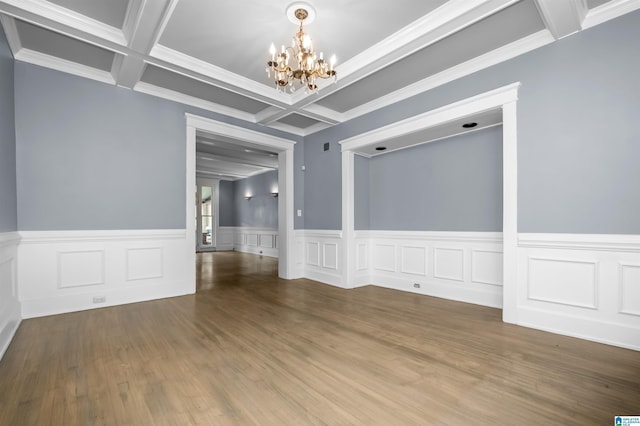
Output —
<point x="212" y="54"/>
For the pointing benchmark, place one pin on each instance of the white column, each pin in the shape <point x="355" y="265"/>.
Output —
<point x="510" y="213"/>
<point x="190" y="250"/>
<point x="286" y="243"/>
<point x="348" y="219"/>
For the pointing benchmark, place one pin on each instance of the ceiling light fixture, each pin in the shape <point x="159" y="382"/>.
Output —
<point x="307" y="66"/>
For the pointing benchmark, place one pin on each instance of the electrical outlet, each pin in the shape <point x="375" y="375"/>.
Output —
<point x="99" y="299"/>
<point x="416" y="285"/>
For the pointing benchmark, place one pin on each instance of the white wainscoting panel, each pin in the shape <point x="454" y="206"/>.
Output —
<point x="313" y="253"/>
<point x="330" y="256"/>
<point x="225" y="239"/>
<point x="448" y="263"/>
<point x="563" y="281"/>
<point x="262" y="241"/>
<point x="586" y="286"/>
<point x="10" y="307"/>
<point x="384" y="257"/>
<point x="322" y="251"/>
<point x="65" y="271"/>
<point x="80" y="268"/>
<point x="630" y="288"/>
<point x="414" y="260"/>
<point x="252" y="240"/>
<point x="486" y="267"/>
<point x="144" y="263"/>
<point x="464" y="266"/>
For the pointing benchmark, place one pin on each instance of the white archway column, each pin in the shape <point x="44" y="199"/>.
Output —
<point x="509" y="213"/>
<point x="348" y="219"/>
<point x="286" y="259"/>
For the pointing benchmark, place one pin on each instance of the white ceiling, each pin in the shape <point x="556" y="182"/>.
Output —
<point x="212" y="54"/>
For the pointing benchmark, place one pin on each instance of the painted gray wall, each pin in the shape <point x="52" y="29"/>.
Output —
<point x="227" y="206"/>
<point x="453" y="184"/>
<point x="578" y="144"/>
<point x="8" y="197"/>
<point x="261" y="211"/>
<point x="95" y="156"/>
<point x="362" y="205"/>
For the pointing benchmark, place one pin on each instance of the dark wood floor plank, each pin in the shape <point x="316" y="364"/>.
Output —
<point x="249" y="348"/>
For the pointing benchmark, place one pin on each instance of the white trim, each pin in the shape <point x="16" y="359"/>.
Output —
<point x="10" y="308"/>
<point x="454" y="236"/>
<point x="171" y="95"/>
<point x="9" y="239"/>
<point x="501" y="54"/>
<point x="504" y="97"/>
<point x="608" y="11"/>
<point x="63" y="17"/>
<point x="196" y="69"/>
<point x="53" y="62"/>
<point x="479" y="103"/>
<point x="284" y="147"/>
<point x="601" y="242"/>
<point x="11" y="32"/>
<point x="43" y="237"/>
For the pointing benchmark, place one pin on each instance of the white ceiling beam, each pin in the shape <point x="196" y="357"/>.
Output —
<point x="11" y="32"/>
<point x="142" y="26"/>
<point x="264" y="162"/>
<point x="563" y="17"/>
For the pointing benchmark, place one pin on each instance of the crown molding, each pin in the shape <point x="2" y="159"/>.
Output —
<point x="59" y="17"/>
<point x="171" y="95"/>
<point x="494" y="57"/>
<point x="11" y="32"/>
<point x="608" y="11"/>
<point x="196" y="68"/>
<point x="47" y="61"/>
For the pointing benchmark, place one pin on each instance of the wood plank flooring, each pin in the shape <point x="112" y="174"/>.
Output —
<point x="249" y="348"/>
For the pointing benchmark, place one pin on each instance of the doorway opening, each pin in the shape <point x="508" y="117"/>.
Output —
<point x="249" y="142"/>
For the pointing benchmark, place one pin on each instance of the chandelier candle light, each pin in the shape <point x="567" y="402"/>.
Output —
<point x="307" y="66"/>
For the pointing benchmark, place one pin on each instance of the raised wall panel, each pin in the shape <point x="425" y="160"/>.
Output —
<point x="252" y="240"/>
<point x="144" y="263"/>
<point x="567" y="282"/>
<point x="266" y="241"/>
<point x="448" y="263"/>
<point x="80" y="268"/>
<point x="7" y="282"/>
<point x="299" y="252"/>
<point x="486" y="267"/>
<point x="413" y="260"/>
<point x="313" y="254"/>
<point x="239" y="240"/>
<point x="384" y="257"/>
<point x="630" y="289"/>
<point x="330" y="255"/>
<point x="362" y="262"/>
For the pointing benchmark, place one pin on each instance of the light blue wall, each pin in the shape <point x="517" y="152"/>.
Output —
<point x="362" y="204"/>
<point x="578" y="136"/>
<point x="95" y="156"/>
<point x="8" y="197"/>
<point x="227" y="206"/>
<point x="261" y="211"/>
<point x="453" y="184"/>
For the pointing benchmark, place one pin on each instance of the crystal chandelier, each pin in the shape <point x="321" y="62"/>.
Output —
<point x="298" y="64"/>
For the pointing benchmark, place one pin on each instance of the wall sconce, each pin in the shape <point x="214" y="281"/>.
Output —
<point x="248" y="197"/>
<point x="274" y="194"/>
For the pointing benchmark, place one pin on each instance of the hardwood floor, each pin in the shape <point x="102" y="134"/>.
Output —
<point x="249" y="348"/>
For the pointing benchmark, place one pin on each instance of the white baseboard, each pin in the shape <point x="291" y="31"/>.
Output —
<point x="66" y="271"/>
<point x="10" y="307"/>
